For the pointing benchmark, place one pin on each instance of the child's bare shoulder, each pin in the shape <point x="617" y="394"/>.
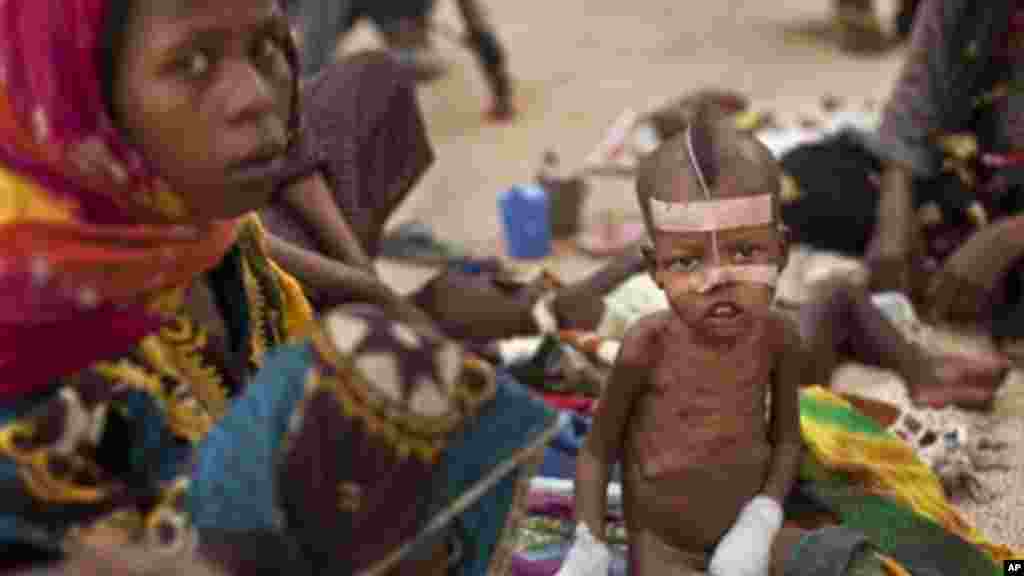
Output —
<point x="641" y="339"/>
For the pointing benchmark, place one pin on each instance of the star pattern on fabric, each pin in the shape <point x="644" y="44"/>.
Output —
<point x="414" y="359"/>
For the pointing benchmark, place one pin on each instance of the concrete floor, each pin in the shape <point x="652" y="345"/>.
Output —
<point x="579" y="63"/>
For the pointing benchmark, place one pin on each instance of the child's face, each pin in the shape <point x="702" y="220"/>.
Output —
<point x="707" y="299"/>
<point x="204" y="91"/>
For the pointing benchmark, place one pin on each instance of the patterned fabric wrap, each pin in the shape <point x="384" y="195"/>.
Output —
<point x="109" y="446"/>
<point x="395" y="439"/>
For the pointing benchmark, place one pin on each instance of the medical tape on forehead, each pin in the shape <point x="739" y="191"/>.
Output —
<point x="710" y="215"/>
<point x="707" y="279"/>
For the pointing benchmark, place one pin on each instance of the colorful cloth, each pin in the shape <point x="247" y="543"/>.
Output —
<point x="898" y="502"/>
<point x="141" y="422"/>
<point x="346" y="447"/>
<point x="110" y="444"/>
<point x="74" y="262"/>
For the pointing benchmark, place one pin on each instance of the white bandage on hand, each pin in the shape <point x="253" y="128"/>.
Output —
<point x="746" y="549"/>
<point x="587" y="557"/>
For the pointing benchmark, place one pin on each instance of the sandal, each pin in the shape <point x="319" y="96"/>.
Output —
<point x="415" y="242"/>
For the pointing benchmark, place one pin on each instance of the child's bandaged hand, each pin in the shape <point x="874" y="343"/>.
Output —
<point x="746" y="548"/>
<point x="587" y="557"/>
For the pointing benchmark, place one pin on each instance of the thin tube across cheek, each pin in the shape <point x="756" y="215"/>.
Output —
<point x="712" y="277"/>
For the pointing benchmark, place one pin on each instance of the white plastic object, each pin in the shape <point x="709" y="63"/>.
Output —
<point x="746" y="548"/>
<point x="587" y="557"/>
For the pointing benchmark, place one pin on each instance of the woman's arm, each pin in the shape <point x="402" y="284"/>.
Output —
<point x="912" y="116"/>
<point x="312" y="200"/>
<point x="326" y="277"/>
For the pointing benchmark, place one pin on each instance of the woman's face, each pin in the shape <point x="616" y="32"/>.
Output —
<point x="204" y="90"/>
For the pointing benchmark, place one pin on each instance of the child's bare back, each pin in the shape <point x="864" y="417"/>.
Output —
<point x="697" y="446"/>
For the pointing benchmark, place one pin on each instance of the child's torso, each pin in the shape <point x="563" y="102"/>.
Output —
<point x="702" y="405"/>
<point x="697" y="448"/>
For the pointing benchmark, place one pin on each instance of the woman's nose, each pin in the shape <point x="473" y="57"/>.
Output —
<point x="250" y="96"/>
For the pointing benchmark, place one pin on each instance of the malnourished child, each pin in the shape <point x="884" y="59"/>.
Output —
<point x="705" y="468"/>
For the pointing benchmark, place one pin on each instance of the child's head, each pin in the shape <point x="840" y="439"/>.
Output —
<point x="710" y="202"/>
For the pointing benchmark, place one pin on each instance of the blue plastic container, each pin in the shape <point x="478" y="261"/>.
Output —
<point x="526" y="222"/>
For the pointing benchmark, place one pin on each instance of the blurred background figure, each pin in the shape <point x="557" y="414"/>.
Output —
<point x="406" y="28"/>
<point x="860" y="30"/>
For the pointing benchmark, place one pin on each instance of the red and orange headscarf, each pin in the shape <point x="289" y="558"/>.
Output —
<point x="78" y="276"/>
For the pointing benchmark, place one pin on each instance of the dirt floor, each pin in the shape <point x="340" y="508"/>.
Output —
<point x="579" y="63"/>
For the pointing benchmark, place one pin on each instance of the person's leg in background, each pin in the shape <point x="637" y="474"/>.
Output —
<point x="859" y="29"/>
<point x="491" y="56"/>
<point x="321" y="23"/>
<point x="405" y="26"/>
<point x="905" y="18"/>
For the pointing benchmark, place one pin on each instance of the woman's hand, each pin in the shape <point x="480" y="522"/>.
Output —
<point x="312" y="200"/>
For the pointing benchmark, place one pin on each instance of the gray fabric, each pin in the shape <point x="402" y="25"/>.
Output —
<point x="914" y="108"/>
<point x="1010" y="110"/>
<point x="321" y="22"/>
<point x="826" y="552"/>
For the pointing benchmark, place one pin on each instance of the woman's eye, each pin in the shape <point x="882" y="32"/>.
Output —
<point x="196" y="65"/>
<point x="683" y="264"/>
<point x="747" y="252"/>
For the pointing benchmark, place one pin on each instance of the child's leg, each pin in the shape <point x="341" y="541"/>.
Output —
<point x="845" y="319"/>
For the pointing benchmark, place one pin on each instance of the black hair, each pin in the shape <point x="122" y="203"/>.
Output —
<point x="110" y="46"/>
<point x="702" y="143"/>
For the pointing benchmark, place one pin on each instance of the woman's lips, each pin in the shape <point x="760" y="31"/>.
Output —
<point x="264" y="163"/>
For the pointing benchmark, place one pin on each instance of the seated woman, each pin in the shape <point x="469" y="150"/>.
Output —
<point x="962" y="61"/>
<point x="162" y="381"/>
